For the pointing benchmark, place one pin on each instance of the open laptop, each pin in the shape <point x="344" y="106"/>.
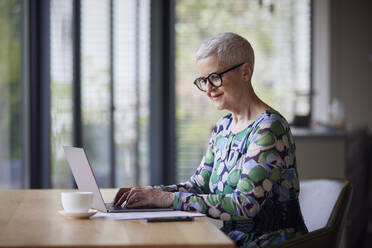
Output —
<point x="85" y="180"/>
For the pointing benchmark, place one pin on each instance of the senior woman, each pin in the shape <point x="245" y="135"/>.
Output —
<point x="248" y="176"/>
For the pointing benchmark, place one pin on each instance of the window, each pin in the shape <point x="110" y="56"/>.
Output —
<point x="11" y="95"/>
<point x="95" y="86"/>
<point x="61" y="60"/>
<point x="114" y="62"/>
<point x="131" y="90"/>
<point x="279" y="32"/>
<point x="114" y="66"/>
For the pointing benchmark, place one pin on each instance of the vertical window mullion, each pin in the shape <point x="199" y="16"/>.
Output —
<point x="25" y="118"/>
<point x="77" y="120"/>
<point x="311" y="93"/>
<point x="162" y="90"/>
<point x="39" y="72"/>
<point x="77" y="113"/>
<point x="137" y="91"/>
<point x="112" y="102"/>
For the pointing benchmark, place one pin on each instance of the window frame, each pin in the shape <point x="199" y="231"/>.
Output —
<point x="39" y="94"/>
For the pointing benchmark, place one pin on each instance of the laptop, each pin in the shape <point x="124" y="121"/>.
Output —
<point x="85" y="180"/>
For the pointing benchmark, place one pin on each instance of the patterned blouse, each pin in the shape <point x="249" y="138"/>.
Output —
<point x="241" y="172"/>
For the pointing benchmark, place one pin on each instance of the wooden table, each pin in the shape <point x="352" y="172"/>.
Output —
<point x="30" y="218"/>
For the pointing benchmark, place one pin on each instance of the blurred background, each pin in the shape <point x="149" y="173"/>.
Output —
<point x="116" y="77"/>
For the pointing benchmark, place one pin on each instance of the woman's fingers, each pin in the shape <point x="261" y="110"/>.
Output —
<point x="136" y="199"/>
<point x="124" y="196"/>
<point x="119" y="195"/>
<point x="132" y="193"/>
<point x="122" y="199"/>
<point x="140" y="197"/>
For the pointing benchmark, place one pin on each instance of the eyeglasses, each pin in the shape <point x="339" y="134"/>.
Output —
<point x="214" y="79"/>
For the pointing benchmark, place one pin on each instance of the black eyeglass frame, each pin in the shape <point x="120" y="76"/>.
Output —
<point x="206" y="79"/>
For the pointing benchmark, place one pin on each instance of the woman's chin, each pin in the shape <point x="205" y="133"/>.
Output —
<point x="218" y="106"/>
<point x="218" y="103"/>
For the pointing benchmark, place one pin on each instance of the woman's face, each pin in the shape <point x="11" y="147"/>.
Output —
<point x="229" y="95"/>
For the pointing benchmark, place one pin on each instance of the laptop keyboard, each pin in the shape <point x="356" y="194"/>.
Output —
<point x="113" y="208"/>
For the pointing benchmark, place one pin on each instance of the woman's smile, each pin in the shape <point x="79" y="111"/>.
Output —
<point x="216" y="97"/>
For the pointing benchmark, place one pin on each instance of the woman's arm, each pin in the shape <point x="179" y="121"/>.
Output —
<point x="197" y="184"/>
<point x="261" y="176"/>
<point x="199" y="181"/>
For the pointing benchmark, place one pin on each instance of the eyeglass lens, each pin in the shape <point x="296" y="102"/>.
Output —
<point x="214" y="79"/>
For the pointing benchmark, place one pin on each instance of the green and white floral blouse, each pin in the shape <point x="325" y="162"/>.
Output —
<point x="241" y="172"/>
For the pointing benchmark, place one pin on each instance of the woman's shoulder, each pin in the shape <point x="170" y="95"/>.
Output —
<point x="273" y="120"/>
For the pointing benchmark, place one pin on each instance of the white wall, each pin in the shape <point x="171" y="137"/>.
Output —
<point x="321" y="60"/>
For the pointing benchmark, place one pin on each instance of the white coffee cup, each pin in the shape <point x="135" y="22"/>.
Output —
<point x="77" y="202"/>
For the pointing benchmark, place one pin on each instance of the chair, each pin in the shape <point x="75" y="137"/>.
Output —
<point x="324" y="205"/>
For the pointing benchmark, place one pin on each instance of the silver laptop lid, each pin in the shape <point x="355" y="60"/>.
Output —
<point x="83" y="175"/>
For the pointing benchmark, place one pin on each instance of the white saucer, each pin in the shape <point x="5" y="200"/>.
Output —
<point x="78" y="214"/>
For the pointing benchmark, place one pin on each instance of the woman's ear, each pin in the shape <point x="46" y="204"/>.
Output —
<point x="247" y="71"/>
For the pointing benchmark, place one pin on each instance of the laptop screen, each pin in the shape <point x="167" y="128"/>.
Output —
<point x="83" y="175"/>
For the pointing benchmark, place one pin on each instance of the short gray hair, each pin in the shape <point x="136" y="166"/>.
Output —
<point x="230" y="49"/>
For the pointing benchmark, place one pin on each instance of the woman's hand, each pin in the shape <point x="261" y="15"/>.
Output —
<point x="144" y="196"/>
<point x="120" y="196"/>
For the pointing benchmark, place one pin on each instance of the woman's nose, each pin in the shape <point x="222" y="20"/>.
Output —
<point x="209" y="87"/>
